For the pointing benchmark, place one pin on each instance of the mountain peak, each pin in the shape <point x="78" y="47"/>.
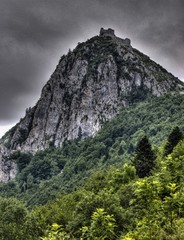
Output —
<point x="89" y="87"/>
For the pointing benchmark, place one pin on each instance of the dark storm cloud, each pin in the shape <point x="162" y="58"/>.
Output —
<point x="35" y="33"/>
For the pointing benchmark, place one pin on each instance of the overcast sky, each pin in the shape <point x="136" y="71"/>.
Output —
<point x="34" y="34"/>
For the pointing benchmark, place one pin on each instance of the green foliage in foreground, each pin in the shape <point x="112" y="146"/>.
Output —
<point x="114" y="203"/>
<point x="16" y="222"/>
<point x="117" y="204"/>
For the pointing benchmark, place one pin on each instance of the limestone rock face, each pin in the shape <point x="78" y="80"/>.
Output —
<point x="89" y="86"/>
<point x="7" y="167"/>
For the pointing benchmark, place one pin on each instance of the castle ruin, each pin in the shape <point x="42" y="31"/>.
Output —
<point x="110" y="33"/>
<point x="107" y="32"/>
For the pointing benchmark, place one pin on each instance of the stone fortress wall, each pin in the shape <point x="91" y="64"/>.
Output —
<point x="111" y="33"/>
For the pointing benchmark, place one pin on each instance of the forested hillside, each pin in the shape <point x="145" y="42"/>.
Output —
<point x="114" y="203"/>
<point x="125" y="183"/>
<point x="42" y="176"/>
<point x="117" y="204"/>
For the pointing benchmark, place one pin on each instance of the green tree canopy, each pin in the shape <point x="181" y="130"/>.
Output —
<point x="144" y="158"/>
<point x="173" y="139"/>
<point x="16" y="223"/>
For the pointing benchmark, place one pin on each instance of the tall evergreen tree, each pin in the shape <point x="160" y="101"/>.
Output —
<point x="173" y="139"/>
<point x="144" y="158"/>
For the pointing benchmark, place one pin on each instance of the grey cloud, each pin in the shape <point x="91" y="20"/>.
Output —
<point x="35" y="33"/>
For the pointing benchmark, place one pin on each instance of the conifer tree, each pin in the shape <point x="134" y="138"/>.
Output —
<point x="173" y="139"/>
<point x="144" y="158"/>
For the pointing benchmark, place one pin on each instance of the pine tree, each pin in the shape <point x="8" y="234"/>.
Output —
<point x="144" y="158"/>
<point x="173" y="139"/>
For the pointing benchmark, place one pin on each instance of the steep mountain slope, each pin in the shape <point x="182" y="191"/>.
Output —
<point x="89" y="86"/>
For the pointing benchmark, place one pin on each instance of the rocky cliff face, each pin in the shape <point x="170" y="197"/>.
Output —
<point x="89" y="86"/>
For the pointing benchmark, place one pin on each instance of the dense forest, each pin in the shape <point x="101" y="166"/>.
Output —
<point x="125" y="183"/>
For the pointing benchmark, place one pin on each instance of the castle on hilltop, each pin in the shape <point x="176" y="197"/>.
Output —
<point x="107" y="32"/>
<point x="110" y="33"/>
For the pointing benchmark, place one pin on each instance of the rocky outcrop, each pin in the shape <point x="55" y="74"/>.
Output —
<point x="89" y="86"/>
<point x="8" y="168"/>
